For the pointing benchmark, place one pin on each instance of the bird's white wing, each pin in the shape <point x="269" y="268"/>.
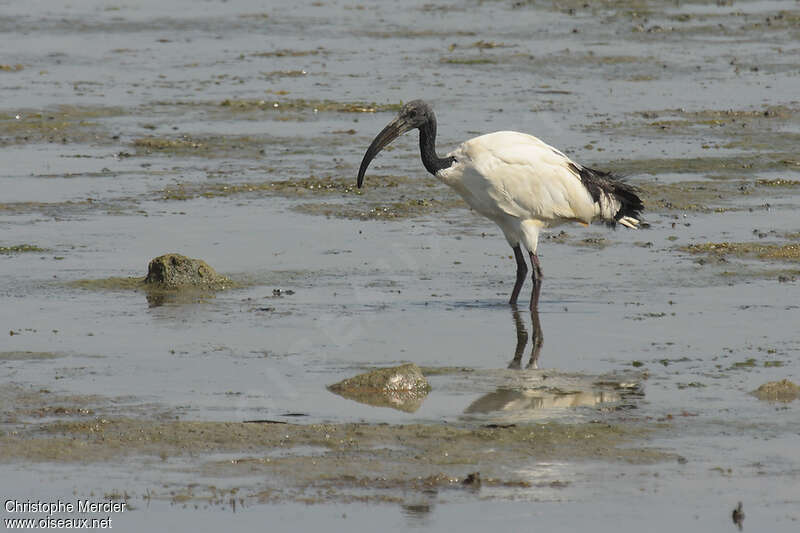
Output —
<point x="523" y="177"/>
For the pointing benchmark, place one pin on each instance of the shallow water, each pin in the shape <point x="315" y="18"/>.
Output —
<point x="123" y="142"/>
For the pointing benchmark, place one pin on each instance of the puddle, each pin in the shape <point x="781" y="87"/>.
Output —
<point x="234" y="135"/>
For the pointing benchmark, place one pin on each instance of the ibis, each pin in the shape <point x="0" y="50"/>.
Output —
<point x="518" y="181"/>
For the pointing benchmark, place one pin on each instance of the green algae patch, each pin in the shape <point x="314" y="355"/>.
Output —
<point x="105" y="438"/>
<point x="162" y="144"/>
<point x="300" y="187"/>
<point x="401" y="197"/>
<point x="777" y="182"/>
<point x="738" y="166"/>
<point x="720" y="117"/>
<point x="747" y="363"/>
<point x="20" y="249"/>
<point x="720" y="194"/>
<point x="593" y="242"/>
<point x="324" y="106"/>
<point x="763" y="251"/>
<point x="20" y="405"/>
<point x="764" y="139"/>
<point x="205" y="146"/>
<point x="114" y="283"/>
<point x="166" y="274"/>
<point x="28" y="356"/>
<point x="288" y="53"/>
<point x="444" y="370"/>
<point x="681" y="196"/>
<point x="398" y="210"/>
<point x="480" y="60"/>
<point x="65" y="124"/>
<point x="283" y="461"/>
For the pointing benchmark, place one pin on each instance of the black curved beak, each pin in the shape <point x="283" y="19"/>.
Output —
<point x="392" y="131"/>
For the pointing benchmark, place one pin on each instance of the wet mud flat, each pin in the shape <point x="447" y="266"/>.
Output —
<point x="276" y="461"/>
<point x="233" y="137"/>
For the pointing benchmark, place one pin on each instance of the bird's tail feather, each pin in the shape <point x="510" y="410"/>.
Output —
<point x="616" y="200"/>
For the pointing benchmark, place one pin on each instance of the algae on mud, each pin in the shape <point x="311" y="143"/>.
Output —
<point x="300" y="187"/>
<point x="20" y="248"/>
<point x="313" y="106"/>
<point x="395" y="456"/>
<point x="63" y="124"/>
<point x="757" y="250"/>
<point x="169" y="276"/>
<point x="40" y="426"/>
<point x="28" y="356"/>
<point x="400" y="196"/>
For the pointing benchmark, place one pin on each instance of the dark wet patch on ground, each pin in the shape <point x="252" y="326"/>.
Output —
<point x="208" y="146"/>
<point x="757" y="250"/>
<point x="731" y="166"/>
<point x="383" y="198"/>
<point x="293" y="188"/>
<point x="276" y="107"/>
<point x="380" y="210"/>
<point x="70" y="208"/>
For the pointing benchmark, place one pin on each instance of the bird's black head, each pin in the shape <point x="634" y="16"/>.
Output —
<point x="416" y="113"/>
<point x="413" y="115"/>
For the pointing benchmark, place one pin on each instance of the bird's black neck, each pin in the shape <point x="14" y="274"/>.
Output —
<point x="427" y="148"/>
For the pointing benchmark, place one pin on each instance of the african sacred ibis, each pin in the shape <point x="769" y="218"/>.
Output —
<point x="518" y="181"/>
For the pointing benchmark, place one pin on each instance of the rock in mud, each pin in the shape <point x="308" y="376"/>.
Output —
<point x="175" y="271"/>
<point x="401" y="387"/>
<point x="777" y="391"/>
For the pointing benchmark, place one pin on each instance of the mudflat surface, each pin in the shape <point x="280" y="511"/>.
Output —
<point x="233" y="134"/>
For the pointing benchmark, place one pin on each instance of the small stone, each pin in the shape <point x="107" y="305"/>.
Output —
<point x="472" y="480"/>
<point x="777" y="391"/>
<point x="738" y="516"/>
<point x="175" y="271"/>
<point x="401" y="387"/>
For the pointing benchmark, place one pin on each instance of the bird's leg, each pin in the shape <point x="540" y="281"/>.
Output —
<point x="522" y="270"/>
<point x="536" y="277"/>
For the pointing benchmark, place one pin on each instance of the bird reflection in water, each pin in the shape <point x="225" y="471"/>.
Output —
<point x="538" y="393"/>
<point x="522" y="339"/>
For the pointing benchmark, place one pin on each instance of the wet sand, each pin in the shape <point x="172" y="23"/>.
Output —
<point x="234" y="135"/>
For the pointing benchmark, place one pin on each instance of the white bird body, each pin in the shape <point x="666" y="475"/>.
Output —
<point x="522" y="184"/>
<point x="518" y="181"/>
